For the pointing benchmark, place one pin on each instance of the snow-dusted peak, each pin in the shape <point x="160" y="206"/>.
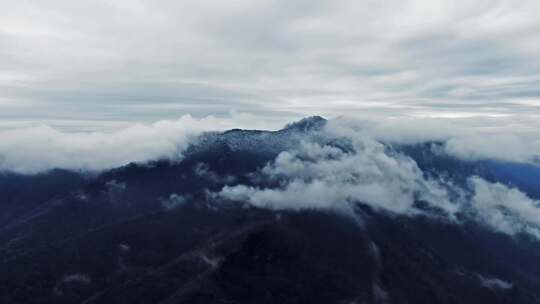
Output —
<point x="308" y="124"/>
<point x="261" y="141"/>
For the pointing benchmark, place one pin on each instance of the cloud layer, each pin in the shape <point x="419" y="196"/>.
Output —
<point x="505" y="209"/>
<point x="346" y="163"/>
<point x="501" y="138"/>
<point x="40" y="148"/>
<point x="347" y="167"/>
<point x="325" y="177"/>
<point x="147" y="60"/>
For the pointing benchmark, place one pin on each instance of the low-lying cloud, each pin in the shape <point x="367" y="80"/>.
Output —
<point x="346" y="163"/>
<point x="505" y="209"/>
<point x="347" y="167"/>
<point x="502" y="138"/>
<point x="318" y="176"/>
<point x="40" y="148"/>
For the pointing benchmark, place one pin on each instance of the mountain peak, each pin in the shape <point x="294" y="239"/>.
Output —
<point x="311" y="123"/>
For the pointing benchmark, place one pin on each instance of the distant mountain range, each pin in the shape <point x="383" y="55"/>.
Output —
<point x="229" y="222"/>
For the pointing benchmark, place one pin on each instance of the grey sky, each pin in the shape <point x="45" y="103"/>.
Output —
<point x="85" y="65"/>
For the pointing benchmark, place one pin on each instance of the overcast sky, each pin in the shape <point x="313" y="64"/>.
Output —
<point x="86" y="65"/>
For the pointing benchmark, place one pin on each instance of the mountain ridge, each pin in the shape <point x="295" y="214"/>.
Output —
<point x="157" y="232"/>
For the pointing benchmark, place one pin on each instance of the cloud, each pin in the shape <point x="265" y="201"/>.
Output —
<point x="174" y="201"/>
<point x="509" y="147"/>
<point x="514" y="139"/>
<point x="346" y="163"/>
<point x="203" y="170"/>
<point x="505" y="209"/>
<point x="343" y="166"/>
<point x="323" y="176"/>
<point x="40" y="148"/>
<point x="494" y="283"/>
<point x="409" y="58"/>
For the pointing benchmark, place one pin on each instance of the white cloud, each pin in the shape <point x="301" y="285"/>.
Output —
<point x="408" y="58"/>
<point x="512" y="138"/>
<point x="40" y="148"/>
<point x="505" y="209"/>
<point x="174" y="201"/>
<point x="494" y="283"/>
<point x="320" y="176"/>
<point x="509" y="147"/>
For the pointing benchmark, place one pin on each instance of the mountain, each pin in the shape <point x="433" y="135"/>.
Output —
<point x="165" y="232"/>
